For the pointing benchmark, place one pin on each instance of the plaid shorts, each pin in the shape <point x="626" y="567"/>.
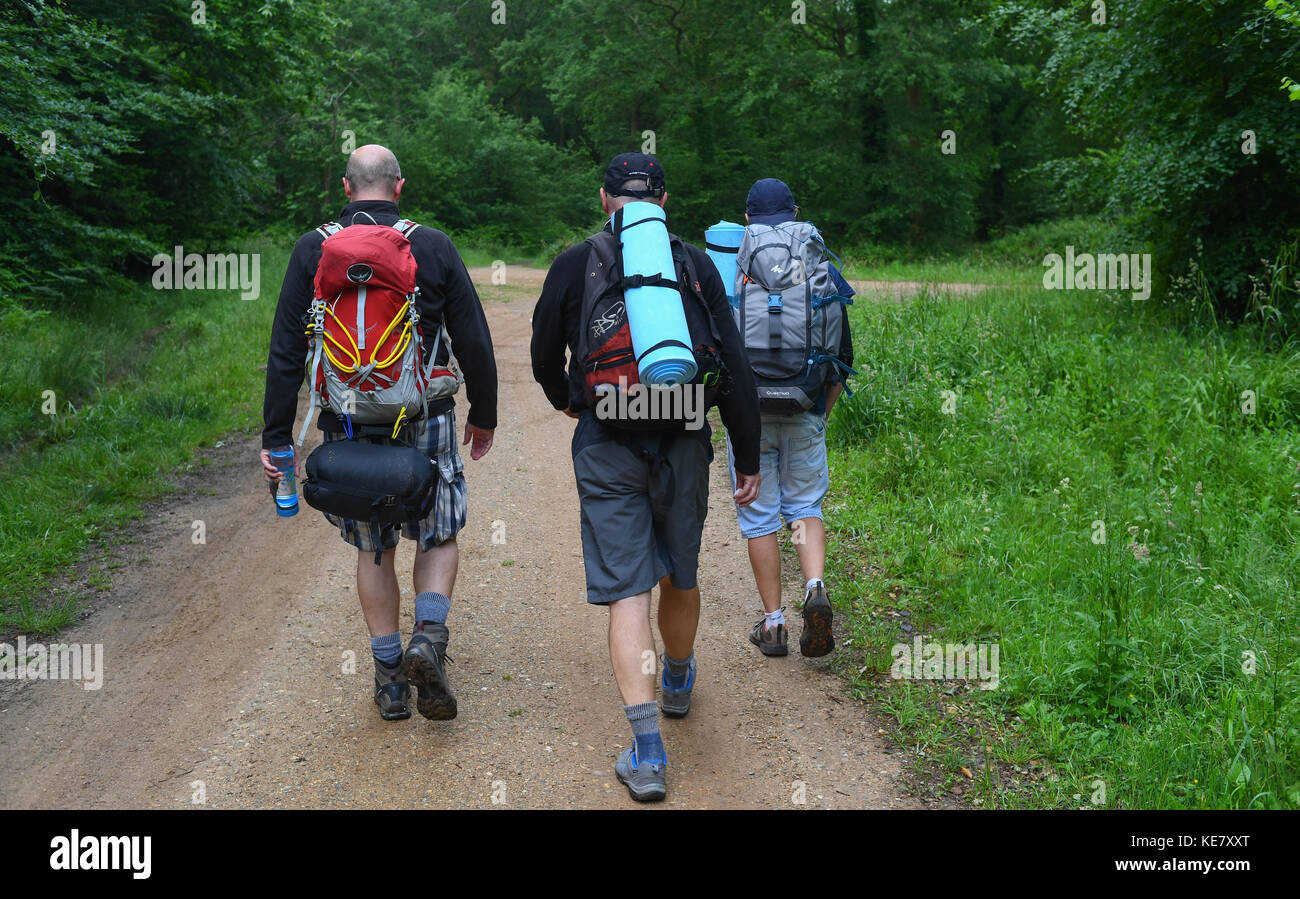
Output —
<point x="438" y="440"/>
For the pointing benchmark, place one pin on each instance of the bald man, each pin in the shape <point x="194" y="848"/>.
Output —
<point x="373" y="183"/>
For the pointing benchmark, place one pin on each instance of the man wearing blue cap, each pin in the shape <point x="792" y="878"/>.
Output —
<point x="795" y="476"/>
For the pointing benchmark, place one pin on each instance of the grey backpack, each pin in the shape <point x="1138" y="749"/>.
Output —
<point x="788" y="312"/>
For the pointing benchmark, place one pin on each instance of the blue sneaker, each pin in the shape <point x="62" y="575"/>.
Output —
<point x="675" y="702"/>
<point x="646" y="782"/>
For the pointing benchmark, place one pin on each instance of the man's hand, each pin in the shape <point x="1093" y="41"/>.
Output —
<point x="746" y="488"/>
<point x="273" y="473"/>
<point x="482" y="441"/>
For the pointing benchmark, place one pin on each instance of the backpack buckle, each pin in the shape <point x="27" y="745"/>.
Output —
<point x="774" y="303"/>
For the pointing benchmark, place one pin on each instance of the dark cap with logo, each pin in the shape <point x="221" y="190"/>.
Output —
<point x="627" y="167"/>
<point x="770" y="202"/>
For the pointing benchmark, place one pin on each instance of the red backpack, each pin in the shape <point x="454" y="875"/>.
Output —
<point x="364" y="328"/>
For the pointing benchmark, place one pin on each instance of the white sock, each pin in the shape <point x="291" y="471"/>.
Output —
<point x="807" y="589"/>
<point x="775" y="618"/>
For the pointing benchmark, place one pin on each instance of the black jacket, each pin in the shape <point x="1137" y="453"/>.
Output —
<point x="446" y="295"/>
<point x="555" y="329"/>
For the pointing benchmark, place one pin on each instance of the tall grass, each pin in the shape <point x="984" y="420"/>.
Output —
<point x="1158" y="655"/>
<point x="1012" y="259"/>
<point x="139" y="385"/>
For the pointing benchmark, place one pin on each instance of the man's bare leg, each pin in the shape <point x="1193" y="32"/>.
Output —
<point x="679" y="618"/>
<point x="433" y="575"/>
<point x="377" y="589"/>
<point x="435" y="568"/>
<point x="632" y="648"/>
<point x="380" y="602"/>
<point x="818" y="636"/>
<point x="765" y="559"/>
<point x="632" y="654"/>
<point x="809" y="538"/>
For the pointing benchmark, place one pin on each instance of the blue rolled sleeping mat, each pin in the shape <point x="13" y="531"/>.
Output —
<point x="661" y="338"/>
<point x="721" y="244"/>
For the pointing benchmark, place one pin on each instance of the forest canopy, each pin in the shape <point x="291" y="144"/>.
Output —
<point x="916" y="124"/>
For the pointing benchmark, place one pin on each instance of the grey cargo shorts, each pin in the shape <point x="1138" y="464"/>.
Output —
<point x="643" y="508"/>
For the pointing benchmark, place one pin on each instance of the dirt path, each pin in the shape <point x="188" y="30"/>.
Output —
<point x="525" y="276"/>
<point x="226" y="663"/>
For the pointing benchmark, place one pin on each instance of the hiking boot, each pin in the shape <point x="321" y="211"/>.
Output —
<point x="646" y="782"/>
<point x="817" y="639"/>
<point x="675" y="702"/>
<point x="423" y="665"/>
<point x="772" y="641"/>
<point x="392" y="693"/>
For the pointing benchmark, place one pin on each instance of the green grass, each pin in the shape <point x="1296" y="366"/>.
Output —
<point x="122" y="425"/>
<point x="1121" y="661"/>
<point x="476" y="257"/>
<point x="1013" y="259"/>
<point x="939" y="271"/>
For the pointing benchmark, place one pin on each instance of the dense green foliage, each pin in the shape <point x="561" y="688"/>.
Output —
<point x="126" y="126"/>
<point x="928" y="125"/>
<point x="1193" y="147"/>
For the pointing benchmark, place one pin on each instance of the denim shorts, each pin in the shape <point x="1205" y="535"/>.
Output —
<point x="438" y="441"/>
<point x="792" y="461"/>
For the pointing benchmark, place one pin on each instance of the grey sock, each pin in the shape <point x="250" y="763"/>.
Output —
<point x="387" y="649"/>
<point x="649" y="744"/>
<point x="678" y="669"/>
<point x="644" y="718"/>
<point x="431" y="606"/>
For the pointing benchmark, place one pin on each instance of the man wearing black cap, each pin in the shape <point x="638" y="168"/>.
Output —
<point x="643" y="493"/>
<point x="795" y="476"/>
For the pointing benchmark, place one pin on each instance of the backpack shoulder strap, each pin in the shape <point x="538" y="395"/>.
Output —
<point x="689" y="282"/>
<point x="602" y="267"/>
<point x="328" y="229"/>
<point x="603" y="264"/>
<point x="603" y="243"/>
<point x="405" y="227"/>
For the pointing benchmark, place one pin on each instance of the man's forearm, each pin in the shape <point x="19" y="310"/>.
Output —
<point x="833" y="392"/>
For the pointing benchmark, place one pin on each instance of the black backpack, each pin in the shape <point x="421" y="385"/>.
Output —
<point x="605" y="338"/>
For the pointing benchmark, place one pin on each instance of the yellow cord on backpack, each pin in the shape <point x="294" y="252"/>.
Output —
<point x="401" y="343"/>
<point x="397" y="426"/>
<point x="354" y="352"/>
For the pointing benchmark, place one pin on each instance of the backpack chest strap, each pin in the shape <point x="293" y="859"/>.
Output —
<point x="774" y="321"/>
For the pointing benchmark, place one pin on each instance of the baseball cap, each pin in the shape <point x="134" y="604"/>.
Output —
<point x="770" y="202"/>
<point x="634" y="167"/>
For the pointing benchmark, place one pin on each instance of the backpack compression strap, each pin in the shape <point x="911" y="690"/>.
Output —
<point x="316" y="329"/>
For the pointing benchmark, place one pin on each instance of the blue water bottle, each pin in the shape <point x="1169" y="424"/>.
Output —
<point x="286" y="492"/>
